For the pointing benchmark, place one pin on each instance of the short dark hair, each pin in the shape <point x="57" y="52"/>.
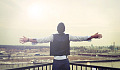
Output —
<point x="61" y="28"/>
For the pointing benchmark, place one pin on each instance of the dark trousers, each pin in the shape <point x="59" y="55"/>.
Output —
<point x="61" y="64"/>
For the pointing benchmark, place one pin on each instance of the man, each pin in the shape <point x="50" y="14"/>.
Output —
<point x="60" y="46"/>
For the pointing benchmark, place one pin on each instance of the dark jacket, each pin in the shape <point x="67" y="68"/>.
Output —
<point x="60" y="45"/>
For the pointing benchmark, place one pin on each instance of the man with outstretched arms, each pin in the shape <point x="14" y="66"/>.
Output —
<point x="60" y="45"/>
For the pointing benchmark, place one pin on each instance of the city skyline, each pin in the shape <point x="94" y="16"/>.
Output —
<point x="39" y="18"/>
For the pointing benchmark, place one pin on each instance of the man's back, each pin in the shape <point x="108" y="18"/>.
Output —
<point x="60" y="45"/>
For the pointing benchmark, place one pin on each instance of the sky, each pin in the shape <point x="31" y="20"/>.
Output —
<point x="39" y="18"/>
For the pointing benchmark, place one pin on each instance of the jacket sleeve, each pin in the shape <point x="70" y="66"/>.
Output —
<point x="79" y="38"/>
<point x="44" y="40"/>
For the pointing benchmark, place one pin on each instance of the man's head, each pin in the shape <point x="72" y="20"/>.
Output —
<point x="61" y="28"/>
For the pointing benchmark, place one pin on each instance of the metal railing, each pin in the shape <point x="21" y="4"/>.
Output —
<point x="46" y="66"/>
<point x="73" y="66"/>
<point x="90" y="67"/>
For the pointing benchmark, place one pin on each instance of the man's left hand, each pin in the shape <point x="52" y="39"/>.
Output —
<point x="96" y="35"/>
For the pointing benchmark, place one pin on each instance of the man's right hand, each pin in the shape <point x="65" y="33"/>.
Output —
<point x="24" y="40"/>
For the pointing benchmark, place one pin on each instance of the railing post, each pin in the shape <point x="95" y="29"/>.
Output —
<point x="81" y="67"/>
<point x="34" y="68"/>
<point x="96" y="68"/>
<point x="76" y="67"/>
<point x="72" y="66"/>
<point x="50" y="67"/>
<point x="46" y="67"/>
<point x="42" y="67"/>
<point x="86" y="67"/>
<point x="38" y="68"/>
<point x="91" y="68"/>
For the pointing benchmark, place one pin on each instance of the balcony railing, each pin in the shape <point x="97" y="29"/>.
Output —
<point x="73" y="66"/>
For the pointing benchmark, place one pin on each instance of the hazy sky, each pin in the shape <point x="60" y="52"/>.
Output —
<point x="39" y="18"/>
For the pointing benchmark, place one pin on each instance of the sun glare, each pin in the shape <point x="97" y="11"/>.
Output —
<point x="35" y="11"/>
